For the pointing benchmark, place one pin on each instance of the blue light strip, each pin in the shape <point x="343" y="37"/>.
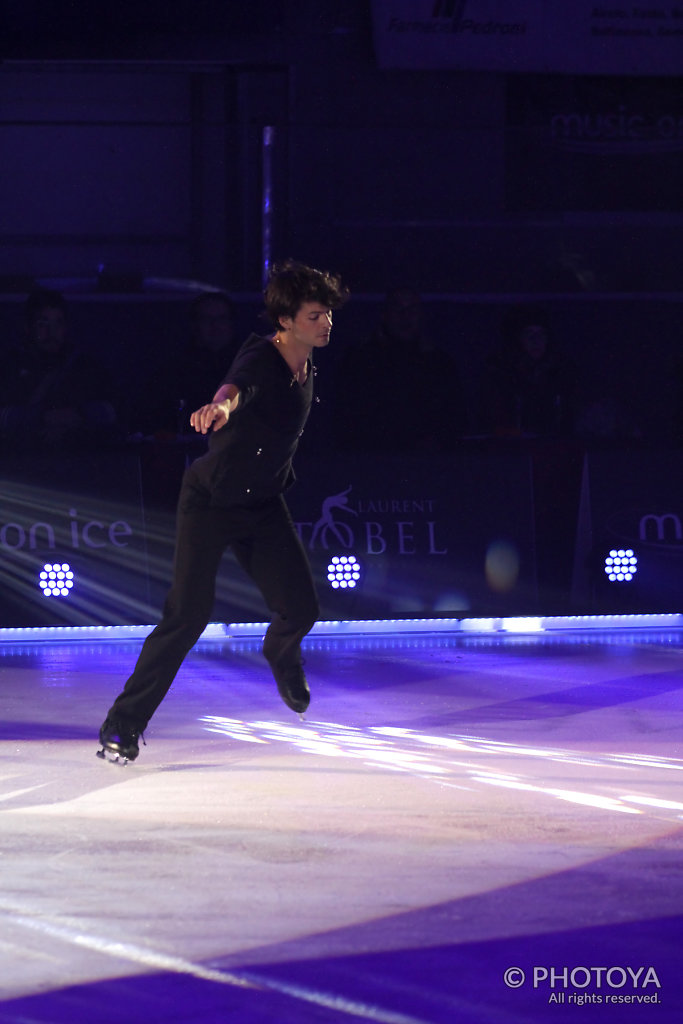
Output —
<point x="362" y="627"/>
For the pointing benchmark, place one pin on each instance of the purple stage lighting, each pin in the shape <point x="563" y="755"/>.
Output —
<point x="56" y="580"/>
<point x="343" y="572"/>
<point x="621" y="565"/>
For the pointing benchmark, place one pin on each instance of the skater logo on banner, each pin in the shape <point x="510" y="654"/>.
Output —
<point x="400" y="525"/>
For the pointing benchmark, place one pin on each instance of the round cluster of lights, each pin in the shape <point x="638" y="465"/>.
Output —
<point x="56" y="580"/>
<point x="343" y="572"/>
<point x="621" y="565"/>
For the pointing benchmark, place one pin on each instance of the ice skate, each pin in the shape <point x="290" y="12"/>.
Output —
<point x="119" y="741"/>
<point x="293" y="688"/>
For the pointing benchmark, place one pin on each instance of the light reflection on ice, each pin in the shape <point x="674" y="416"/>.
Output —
<point x="459" y="760"/>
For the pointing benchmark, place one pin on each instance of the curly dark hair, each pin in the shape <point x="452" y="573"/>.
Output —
<point x="291" y="284"/>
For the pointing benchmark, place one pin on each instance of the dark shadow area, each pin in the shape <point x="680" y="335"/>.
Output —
<point x="620" y="970"/>
<point x="164" y="997"/>
<point x="578" y="699"/>
<point x="442" y="982"/>
<point x="49" y="731"/>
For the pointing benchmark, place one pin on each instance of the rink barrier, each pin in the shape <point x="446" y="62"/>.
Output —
<point x="219" y="631"/>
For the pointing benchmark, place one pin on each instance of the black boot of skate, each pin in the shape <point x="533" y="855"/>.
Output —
<point x="293" y="687"/>
<point x="119" y="740"/>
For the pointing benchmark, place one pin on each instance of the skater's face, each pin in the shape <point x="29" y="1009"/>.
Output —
<point x="310" y="327"/>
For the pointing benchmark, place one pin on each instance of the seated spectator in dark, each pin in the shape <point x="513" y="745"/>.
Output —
<point x="529" y="386"/>
<point x="195" y="373"/>
<point x="52" y="395"/>
<point x="399" y="391"/>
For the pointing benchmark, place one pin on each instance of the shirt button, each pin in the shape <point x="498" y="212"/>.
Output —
<point x="259" y="451"/>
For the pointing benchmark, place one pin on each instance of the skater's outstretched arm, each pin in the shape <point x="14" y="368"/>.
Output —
<point x="217" y="412"/>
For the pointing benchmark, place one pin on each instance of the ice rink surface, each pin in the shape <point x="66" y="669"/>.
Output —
<point x="462" y="829"/>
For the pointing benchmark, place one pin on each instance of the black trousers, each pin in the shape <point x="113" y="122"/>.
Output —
<point x="266" y="544"/>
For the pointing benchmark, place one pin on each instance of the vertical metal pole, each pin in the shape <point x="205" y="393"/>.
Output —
<point x="267" y="157"/>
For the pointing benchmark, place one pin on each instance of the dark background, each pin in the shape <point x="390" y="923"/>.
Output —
<point x="132" y="142"/>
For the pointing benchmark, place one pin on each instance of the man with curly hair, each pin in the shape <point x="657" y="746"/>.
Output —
<point x="232" y="496"/>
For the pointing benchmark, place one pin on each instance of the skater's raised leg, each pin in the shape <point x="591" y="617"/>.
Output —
<point x="275" y="559"/>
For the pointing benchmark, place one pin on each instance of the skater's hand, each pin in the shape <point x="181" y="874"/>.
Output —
<point x="216" y="413"/>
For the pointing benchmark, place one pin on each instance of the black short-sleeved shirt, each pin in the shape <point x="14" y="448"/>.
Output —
<point x="250" y="458"/>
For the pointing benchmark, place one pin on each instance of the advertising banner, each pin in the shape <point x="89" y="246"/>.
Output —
<point x="630" y="541"/>
<point x="593" y="143"/>
<point x="90" y="541"/>
<point x="444" y="536"/>
<point x="581" y="37"/>
<point x="73" y="542"/>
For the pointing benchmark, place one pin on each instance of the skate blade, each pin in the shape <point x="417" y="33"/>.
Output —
<point x="112" y="757"/>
